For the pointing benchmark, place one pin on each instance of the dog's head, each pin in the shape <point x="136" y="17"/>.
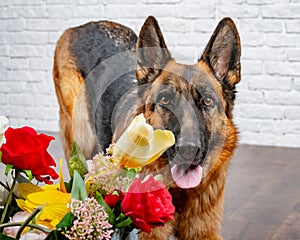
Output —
<point x="193" y="101"/>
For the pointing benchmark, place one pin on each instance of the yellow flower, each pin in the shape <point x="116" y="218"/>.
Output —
<point x="54" y="200"/>
<point x="140" y="145"/>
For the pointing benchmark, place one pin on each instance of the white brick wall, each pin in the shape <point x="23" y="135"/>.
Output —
<point x="268" y="101"/>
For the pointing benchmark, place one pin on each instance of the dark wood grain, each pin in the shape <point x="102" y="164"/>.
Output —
<point x="262" y="198"/>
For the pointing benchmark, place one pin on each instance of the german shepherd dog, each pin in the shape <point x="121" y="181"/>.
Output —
<point x="105" y="75"/>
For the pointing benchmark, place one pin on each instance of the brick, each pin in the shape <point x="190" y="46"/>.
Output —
<point x="192" y="39"/>
<point x="36" y="24"/>
<point x="260" y="111"/>
<point x="293" y="26"/>
<point x="251" y="67"/>
<point x="288" y="140"/>
<point x="58" y="12"/>
<point x="4" y="62"/>
<point x="252" y="39"/>
<point x="48" y="125"/>
<point x="19" y="63"/>
<point x="34" y="12"/>
<point x="176" y="25"/>
<point x="281" y="11"/>
<point x="10" y="13"/>
<point x="17" y="75"/>
<point x="296" y="85"/>
<point x="264" y="2"/>
<point x="140" y="11"/>
<point x="194" y="11"/>
<point x="40" y="63"/>
<point x="293" y="54"/>
<point x="84" y="2"/>
<point x="14" y="25"/>
<point x="278" y="127"/>
<point x="13" y="87"/>
<point x="246" y="96"/>
<point x="45" y="100"/>
<point x="263" y="82"/>
<point x="282" y="40"/>
<point x="121" y="2"/>
<point x="291" y="112"/>
<point x="205" y="25"/>
<point x="27" y="2"/>
<point x="5" y="38"/>
<point x="264" y="53"/>
<point x="4" y="50"/>
<point x="21" y="99"/>
<point x="32" y="38"/>
<point x="27" y="51"/>
<point x="238" y="10"/>
<point x="283" y="68"/>
<point x="88" y="12"/>
<point x="161" y="1"/>
<point x="257" y="138"/>
<point x="282" y="98"/>
<point x="3" y="99"/>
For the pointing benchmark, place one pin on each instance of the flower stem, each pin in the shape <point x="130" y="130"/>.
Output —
<point x="9" y="198"/>
<point x="14" y="224"/>
<point x="27" y="221"/>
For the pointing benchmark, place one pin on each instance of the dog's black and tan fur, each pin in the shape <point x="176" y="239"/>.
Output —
<point x="193" y="101"/>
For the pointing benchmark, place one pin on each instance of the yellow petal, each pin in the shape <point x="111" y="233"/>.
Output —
<point x="25" y="205"/>
<point x="61" y="178"/>
<point x="163" y="139"/>
<point x="27" y="188"/>
<point x="55" y="211"/>
<point x="140" y="144"/>
<point x="50" y="187"/>
<point x="50" y="197"/>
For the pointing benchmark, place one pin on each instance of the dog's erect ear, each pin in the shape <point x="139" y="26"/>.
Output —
<point x="223" y="52"/>
<point x="152" y="52"/>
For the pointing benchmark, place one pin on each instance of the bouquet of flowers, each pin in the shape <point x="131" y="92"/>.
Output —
<point x="104" y="201"/>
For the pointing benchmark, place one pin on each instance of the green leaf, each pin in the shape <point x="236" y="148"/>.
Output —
<point x="0" y="156"/>
<point x="125" y="223"/>
<point x="29" y="174"/>
<point x="77" y="161"/>
<point x="66" y="221"/>
<point x="8" y="168"/>
<point x="56" y="235"/>
<point x="4" y="237"/>
<point x="78" y="188"/>
<point x="111" y="216"/>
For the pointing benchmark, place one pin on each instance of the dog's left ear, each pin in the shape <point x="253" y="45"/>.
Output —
<point x="152" y="52"/>
<point x="223" y="52"/>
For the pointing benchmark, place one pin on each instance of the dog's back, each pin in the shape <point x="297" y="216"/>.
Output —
<point x="78" y="53"/>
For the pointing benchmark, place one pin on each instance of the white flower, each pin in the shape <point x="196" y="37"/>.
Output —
<point x="30" y="235"/>
<point x="18" y="217"/>
<point x="140" y="144"/>
<point x="3" y="127"/>
<point x="33" y="236"/>
<point x="3" y="195"/>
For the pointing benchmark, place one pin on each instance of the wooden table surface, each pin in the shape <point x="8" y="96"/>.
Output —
<point x="262" y="199"/>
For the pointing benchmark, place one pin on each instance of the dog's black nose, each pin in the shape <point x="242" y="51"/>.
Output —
<point x="188" y="150"/>
<point x="188" y="153"/>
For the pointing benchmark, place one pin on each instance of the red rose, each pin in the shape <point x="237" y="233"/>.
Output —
<point x="27" y="150"/>
<point x="113" y="198"/>
<point x="149" y="204"/>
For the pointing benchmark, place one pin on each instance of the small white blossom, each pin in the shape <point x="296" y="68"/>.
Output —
<point x="3" y="127"/>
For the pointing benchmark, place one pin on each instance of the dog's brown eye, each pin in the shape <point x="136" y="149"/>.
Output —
<point x="165" y="100"/>
<point x="208" y="101"/>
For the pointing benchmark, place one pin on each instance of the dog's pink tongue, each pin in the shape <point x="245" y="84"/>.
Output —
<point x="187" y="179"/>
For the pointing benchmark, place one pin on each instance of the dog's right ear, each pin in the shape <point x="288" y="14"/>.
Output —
<point x="152" y="52"/>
